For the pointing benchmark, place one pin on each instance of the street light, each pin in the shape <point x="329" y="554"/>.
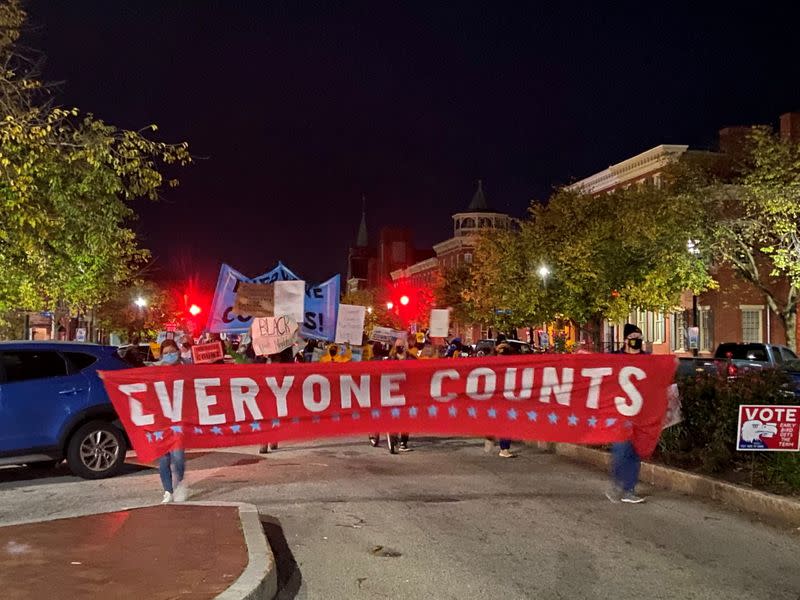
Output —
<point x="693" y="246"/>
<point x="140" y="302"/>
<point x="543" y="272"/>
<point x="369" y="309"/>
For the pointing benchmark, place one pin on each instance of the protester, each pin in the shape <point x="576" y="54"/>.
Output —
<point x="501" y="349"/>
<point x="379" y="353"/>
<point x="400" y="352"/>
<point x="625" y="462"/>
<point x="454" y="349"/>
<point x="284" y="356"/>
<point x="172" y="465"/>
<point x="333" y="354"/>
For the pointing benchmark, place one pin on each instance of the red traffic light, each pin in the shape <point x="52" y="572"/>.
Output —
<point x="404" y="300"/>
<point x="195" y="310"/>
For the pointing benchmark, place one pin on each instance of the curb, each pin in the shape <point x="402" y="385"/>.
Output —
<point x="771" y="506"/>
<point x="259" y="580"/>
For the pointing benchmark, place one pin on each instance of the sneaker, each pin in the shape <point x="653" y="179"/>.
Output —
<point x="272" y="447"/>
<point x="488" y="446"/>
<point x="614" y="494"/>
<point x="505" y="454"/>
<point x="167" y="498"/>
<point x="374" y="441"/>
<point x="181" y="492"/>
<point x="264" y="449"/>
<point x="404" y="448"/>
<point x="631" y="498"/>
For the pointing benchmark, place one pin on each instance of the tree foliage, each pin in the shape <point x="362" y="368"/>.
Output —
<point x="66" y="183"/>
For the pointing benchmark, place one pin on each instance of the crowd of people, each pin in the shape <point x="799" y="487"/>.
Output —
<point x="625" y="464"/>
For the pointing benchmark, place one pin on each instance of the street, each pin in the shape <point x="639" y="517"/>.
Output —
<point x="448" y="521"/>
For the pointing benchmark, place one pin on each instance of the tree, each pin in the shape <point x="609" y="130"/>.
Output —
<point x="755" y="218"/>
<point x="120" y="313"/>
<point x="66" y="181"/>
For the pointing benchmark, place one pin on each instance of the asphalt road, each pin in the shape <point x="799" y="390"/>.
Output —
<point x="448" y="521"/>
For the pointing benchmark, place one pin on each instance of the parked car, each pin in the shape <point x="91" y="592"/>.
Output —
<point x="484" y="347"/>
<point x="146" y="352"/>
<point x="54" y="407"/>
<point x="745" y="357"/>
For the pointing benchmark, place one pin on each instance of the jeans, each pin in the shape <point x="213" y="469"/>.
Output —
<point x="625" y="465"/>
<point x="505" y="444"/>
<point x="171" y="460"/>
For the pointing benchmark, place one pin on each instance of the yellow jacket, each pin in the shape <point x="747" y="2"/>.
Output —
<point x="338" y="358"/>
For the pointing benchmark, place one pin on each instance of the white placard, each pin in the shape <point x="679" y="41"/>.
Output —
<point x="272" y="334"/>
<point x="440" y="323"/>
<point x="290" y="298"/>
<point x="350" y="324"/>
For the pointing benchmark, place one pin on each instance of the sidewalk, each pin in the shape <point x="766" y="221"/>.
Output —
<point x="160" y="552"/>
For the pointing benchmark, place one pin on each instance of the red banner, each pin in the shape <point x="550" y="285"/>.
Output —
<point x="583" y="399"/>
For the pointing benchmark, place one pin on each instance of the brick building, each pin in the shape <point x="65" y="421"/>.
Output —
<point x="457" y="250"/>
<point x="737" y="311"/>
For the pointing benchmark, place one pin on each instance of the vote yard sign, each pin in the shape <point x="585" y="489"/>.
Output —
<point x="771" y="428"/>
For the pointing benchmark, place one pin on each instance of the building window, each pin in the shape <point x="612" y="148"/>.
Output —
<point x="484" y="222"/>
<point x="641" y="323"/>
<point x="678" y="332"/>
<point x="468" y="222"/>
<point x="468" y="258"/>
<point x="658" y="328"/>
<point x="706" y="329"/>
<point x="751" y="324"/>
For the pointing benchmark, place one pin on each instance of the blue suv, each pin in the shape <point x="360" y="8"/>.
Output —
<point x="53" y="406"/>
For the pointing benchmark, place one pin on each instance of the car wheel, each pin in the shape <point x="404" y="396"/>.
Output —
<point x="96" y="450"/>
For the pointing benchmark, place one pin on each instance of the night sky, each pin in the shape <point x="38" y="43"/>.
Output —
<point x="300" y="108"/>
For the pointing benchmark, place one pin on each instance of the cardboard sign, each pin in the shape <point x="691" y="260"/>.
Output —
<point x="774" y="428"/>
<point x="273" y="334"/>
<point x="207" y="353"/>
<point x="386" y="335"/>
<point x="350" y="324"/>
<point x="80" y="334"/>
<point x="290" y="299"/>
<point x="255" y="299"/>
<point x="440" y="323"/>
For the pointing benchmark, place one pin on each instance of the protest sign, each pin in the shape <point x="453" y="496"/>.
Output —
<point x="321" y="306"/>
<point x="771" y="428"/>
<point x="386" y="335"/>
<point x="290" y="299"/>
<point x="673" y="415"/>
<point x="207" y="353"/>
<point x="350" y="324"/>
<point x="222" y="318"/>
<point x="255" y="299"/>
<point x="273" y="334"/>
<point x="583" y="399"/>
<point x="440" y="323"/>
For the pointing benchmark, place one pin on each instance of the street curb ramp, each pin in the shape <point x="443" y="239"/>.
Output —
<point x="770" y="506"/>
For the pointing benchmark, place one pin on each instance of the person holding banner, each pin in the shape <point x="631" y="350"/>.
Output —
<point x="172" y="465"/>
<point x="625" y="461"/>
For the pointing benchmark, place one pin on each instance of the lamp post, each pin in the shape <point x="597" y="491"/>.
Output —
<point x="544" y="272"/>
<point x="694" y="249"/>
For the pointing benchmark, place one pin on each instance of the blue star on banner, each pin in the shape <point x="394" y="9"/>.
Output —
<point x="254" y="426"/>
<point x="376" y="414"/>
<point x="198" y="430"/>
<point x="236" y="428"/>
<point x="296" y="421"/>
<point x="355" y="415"/>
<point x="276" y="423"/>
<point x="315" y="419"/>
<point x="177" y="428"/>
<point x="573" y="420"/>
<point x="610" y="421"/>
<point x="159" y="435"/>
<point x="433" y="411"/>
<point x="453" y="411"/>
<point x="216" y="430"/>
<point x="532" y="415"/>
<point x="628" y="424"/>
<point x="149" y="436"/>
<point x="512" y="414"/>
<point x="553" y="418"/>
<point x="395" y="413"/>
<point x="592" y="421"/>
<point x="335" y="417"/>
<point x="492" y="413"/>
<point x="472" y="412"/>
<point x="413" y="411"/>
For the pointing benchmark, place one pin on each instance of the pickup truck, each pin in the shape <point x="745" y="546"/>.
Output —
<point x="730" y="358"/>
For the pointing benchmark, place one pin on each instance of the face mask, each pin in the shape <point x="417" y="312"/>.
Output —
<point x="332" y="351"/>
<point x="635" y="344"/>
<point x="171" y="358"/>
